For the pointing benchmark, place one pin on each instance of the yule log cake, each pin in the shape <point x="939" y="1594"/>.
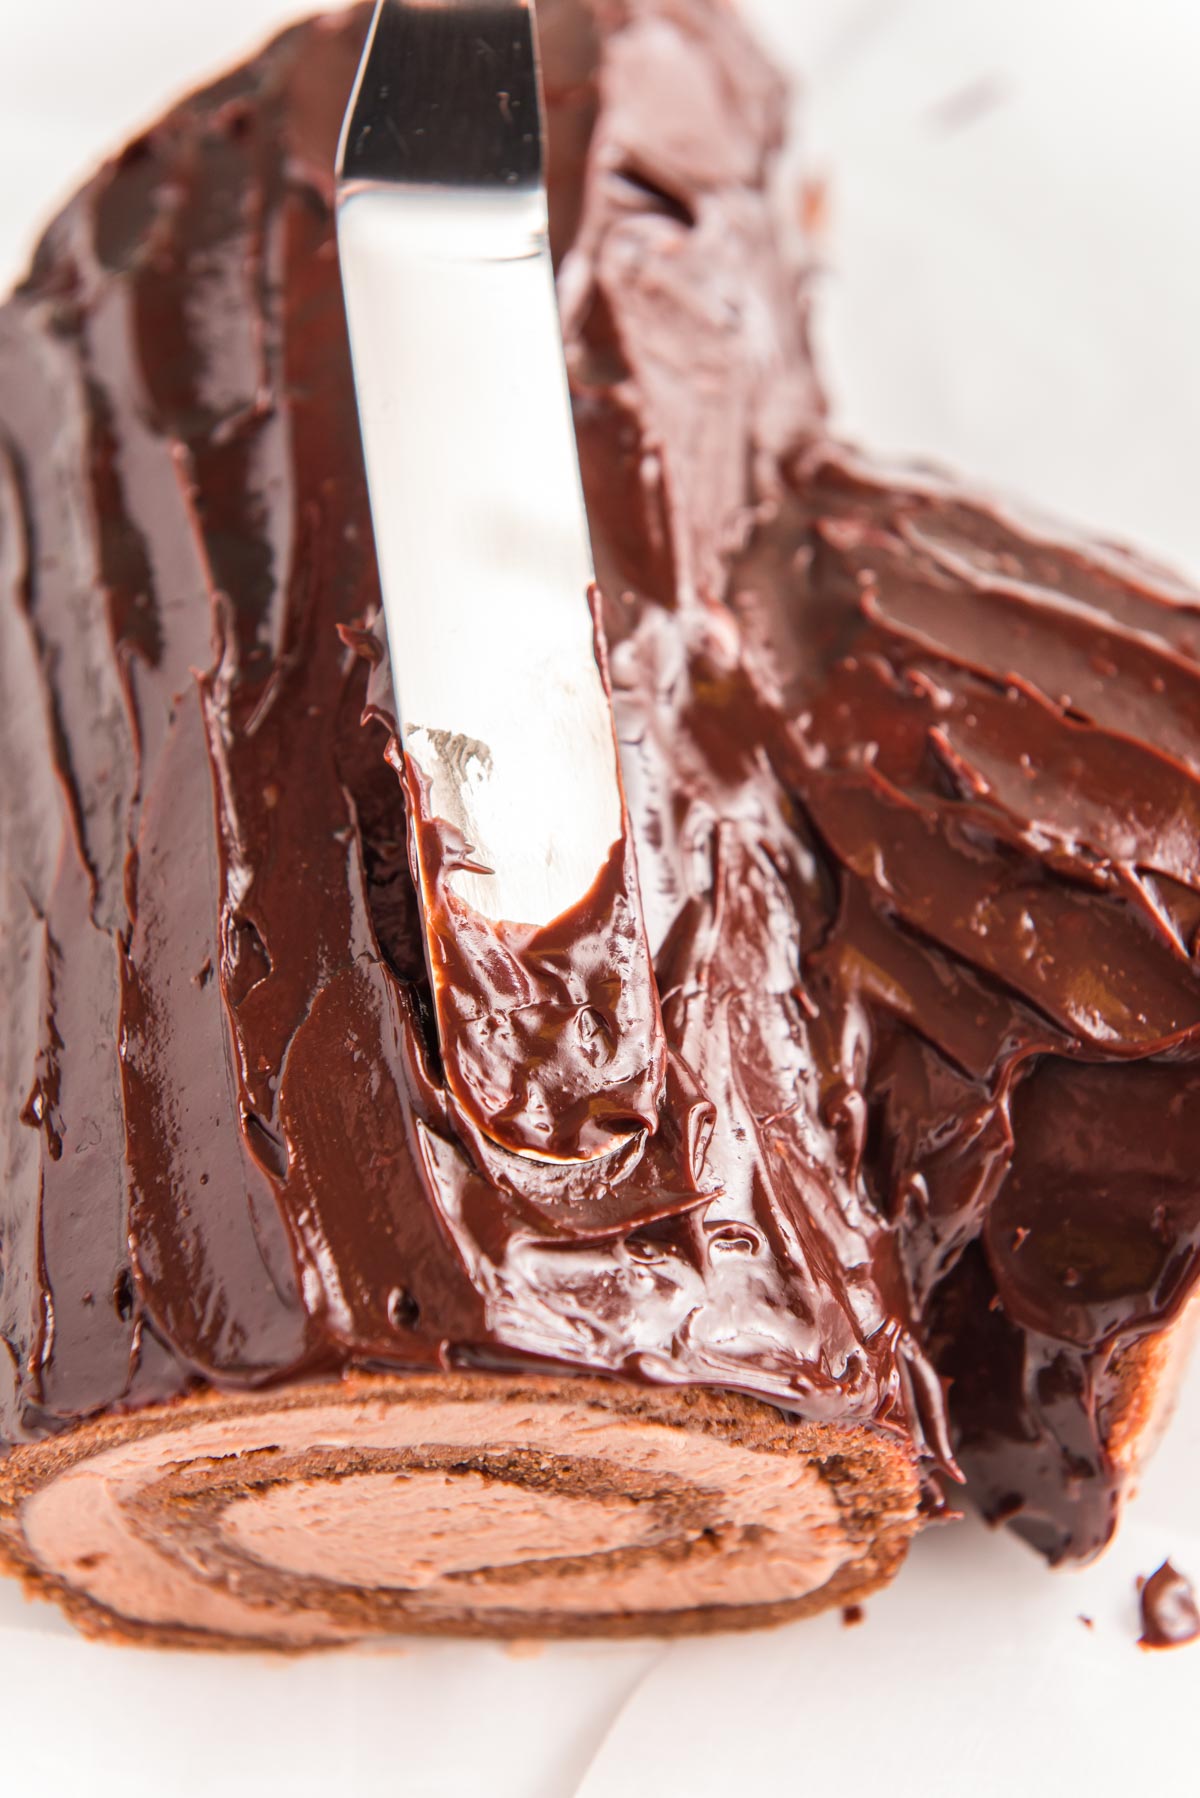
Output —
<point x="293" y="1353"/>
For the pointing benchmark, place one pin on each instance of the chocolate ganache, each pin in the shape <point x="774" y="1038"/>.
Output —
<point x="550" y="1036"/>
<point x="913" y="788"/>
<point x="218" y="933"/>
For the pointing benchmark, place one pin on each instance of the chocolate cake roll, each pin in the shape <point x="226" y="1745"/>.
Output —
<point x="295" y="1353"/>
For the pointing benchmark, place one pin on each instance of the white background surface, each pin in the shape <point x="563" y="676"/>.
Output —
<point x="1015" y="286"/>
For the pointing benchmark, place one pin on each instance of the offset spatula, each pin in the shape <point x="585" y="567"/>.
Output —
<point x="546" y="1012"/>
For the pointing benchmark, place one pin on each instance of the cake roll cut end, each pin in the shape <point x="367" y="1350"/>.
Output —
<point x="466" y="1504"/>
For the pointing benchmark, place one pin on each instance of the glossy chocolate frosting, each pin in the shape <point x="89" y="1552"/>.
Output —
<point x="913" y="787"/>
<point x="550" y="1036"/>
<point x="238" y="1159"/>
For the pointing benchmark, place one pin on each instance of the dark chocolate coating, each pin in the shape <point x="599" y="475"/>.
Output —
<point x="550" y="1037"/>
<point x="993" y="733"/>
<point x="240" y="1162"/>
<point x="913" y="788"/>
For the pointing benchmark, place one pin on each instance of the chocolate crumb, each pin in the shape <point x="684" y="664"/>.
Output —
<point x="1169" y="1614"/>
<point x="852" y="1615"/>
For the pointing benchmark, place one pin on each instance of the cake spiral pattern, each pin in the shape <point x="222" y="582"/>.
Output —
<point x="498" y="1505"/>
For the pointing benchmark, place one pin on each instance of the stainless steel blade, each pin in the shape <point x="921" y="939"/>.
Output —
<point x="485" y="565"/>
<point x="479" y="519"/>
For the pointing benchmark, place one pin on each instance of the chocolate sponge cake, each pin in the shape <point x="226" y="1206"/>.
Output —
<point x="294" y="1353"/>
